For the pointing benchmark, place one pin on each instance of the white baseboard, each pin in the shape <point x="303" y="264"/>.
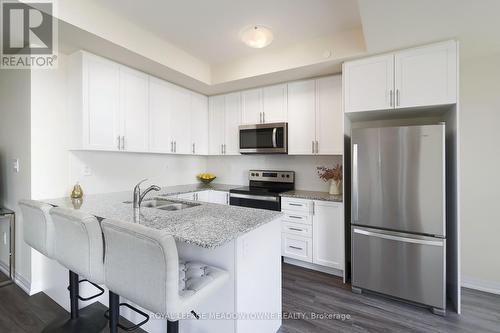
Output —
<point x="324" y="269"/>
<point x="481" y="285"/>
<point x="18" y="279"/>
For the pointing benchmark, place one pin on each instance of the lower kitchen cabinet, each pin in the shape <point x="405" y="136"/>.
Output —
<point x="313" y="232"/>
<point x="219" y="197"/>
<point x="210" y="196"/>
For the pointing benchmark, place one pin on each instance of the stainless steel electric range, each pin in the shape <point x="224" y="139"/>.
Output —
<point x="264" y="189"/>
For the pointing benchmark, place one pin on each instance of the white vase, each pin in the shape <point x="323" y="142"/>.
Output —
<point x="335" y="187"/>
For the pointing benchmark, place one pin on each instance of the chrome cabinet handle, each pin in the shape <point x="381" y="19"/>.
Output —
<point x="123" y="142"/>
<point x="118" y="140"/>
<point x="295" y="229"/>
<point x="355" y="194"/>
<point x="312" y="146"/>
<point x="294" y="204"/>
<point x="397" y="97"/>
<point x="224" y="146"/>
<point x="390" y="98"/>
<point x="175" y="146"/>
<point x="194" y="150"/>
<point x="295" y="217"/>
<point x="317" y="147"/>
<point x="295" y="247"/>
<point x="263" y="117"/>
<point x="260" y="117"/>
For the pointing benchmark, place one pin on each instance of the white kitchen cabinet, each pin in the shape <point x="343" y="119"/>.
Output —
<point x="199" y="124"/>
<point x="219" y="197"/>
<point x="134" y="91"/>
<point x="251" y="107"/>
<point x="329" y="116"/>
<point x="369" y="84"/>
<point x="180" y="119"/>
<point x="274" y="103"/>
<point x="159" y="116"/>
<point x="232" y="121"/>
<point x="315" y="118"/>
<point x="417" y="77"/>
<point x="100" y="102"/>
<point x="328" y="234"/>
<point x="216" y="111"/>
<point x="313" y="232"/>
<point x="426" y="75"/>
<point x="301" y="117"/>
<point x="186" y="196"/>
<point x="203" y="196"/>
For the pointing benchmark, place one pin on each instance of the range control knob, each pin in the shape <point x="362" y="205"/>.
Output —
<point x="287" y="176"/>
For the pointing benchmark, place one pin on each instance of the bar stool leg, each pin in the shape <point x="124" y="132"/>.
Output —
<point x="74" y="291"/>
<point x="172" y="326"/>
<point x="114" y="312"/>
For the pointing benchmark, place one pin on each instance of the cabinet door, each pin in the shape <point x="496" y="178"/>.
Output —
<point x="232" y="118"/>
<point x="328" y="234"/>
<point x="159" y="116"/>
<point x="369" y="84"/>
<point x="301" y="117"/>
<point x="251" y="107"/>
<point x="219" y="197"/>
<point x="180" y="119"/>
<point x="187" y="196"/>
<point x="216" y="124"/>
<point x="275" y="103"/>
<point x="134" y="109"/>
<point x="101" y="126"/>
<point x="329" y="116"/>
<point x="203" y="196"/>
<point x="426" y="75"/>
<point x="199" y="124"/>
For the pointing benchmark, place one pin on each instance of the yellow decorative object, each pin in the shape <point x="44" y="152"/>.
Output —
<point x="77" y="192"/>
<point x="206" y="177"/>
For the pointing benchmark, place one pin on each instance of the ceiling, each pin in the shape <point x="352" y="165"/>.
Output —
<point x="209" y="29"/>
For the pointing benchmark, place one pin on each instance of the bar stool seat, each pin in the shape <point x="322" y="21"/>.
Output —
<point x="142" y="265"/>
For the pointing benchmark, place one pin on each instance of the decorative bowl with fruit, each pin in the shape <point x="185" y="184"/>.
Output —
<point x="206" y="177"/>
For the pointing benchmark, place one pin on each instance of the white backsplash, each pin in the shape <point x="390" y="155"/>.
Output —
<point x="234" y="169"/>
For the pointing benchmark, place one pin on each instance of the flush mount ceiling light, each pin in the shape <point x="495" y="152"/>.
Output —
<point x="257" y="36"/>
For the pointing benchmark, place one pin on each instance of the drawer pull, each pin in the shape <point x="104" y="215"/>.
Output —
<point x="297" y="205"/>
<point x="295" y="217"/>
<point x="295" y="247"/>
<point x="295" y="229"/>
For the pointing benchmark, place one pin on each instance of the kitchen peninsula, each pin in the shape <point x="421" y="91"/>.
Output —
<point x="245" y="242"/>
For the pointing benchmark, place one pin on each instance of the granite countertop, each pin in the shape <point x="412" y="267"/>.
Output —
<point x="313" y="195"/>
<point x="206" y="225"/>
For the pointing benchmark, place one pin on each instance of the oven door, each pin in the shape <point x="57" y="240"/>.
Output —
<point x="264" y="139"/>
<point x="255" y="201"/>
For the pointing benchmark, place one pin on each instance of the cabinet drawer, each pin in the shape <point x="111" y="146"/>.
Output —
<point x="297" y="217"/>
<point x="296" y="205"/>
<point x="296" y="229"/>
<point x="296" y="247"/>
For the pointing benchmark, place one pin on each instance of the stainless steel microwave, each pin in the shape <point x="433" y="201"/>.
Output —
<point x="264" y="139"/>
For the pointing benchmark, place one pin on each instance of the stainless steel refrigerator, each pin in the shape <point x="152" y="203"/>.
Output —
<point x="398" y="213"/>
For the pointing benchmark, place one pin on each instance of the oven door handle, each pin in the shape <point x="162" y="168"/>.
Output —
<point x="254" y="197"/>
<point x="275" y="130"/>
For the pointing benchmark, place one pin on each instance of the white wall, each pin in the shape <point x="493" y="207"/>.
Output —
<point x="234" y="169"/>
<point x="15" y="143"/>
<point x="480" y="163"/>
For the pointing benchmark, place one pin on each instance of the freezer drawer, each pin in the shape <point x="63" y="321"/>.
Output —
<point x="401" y="265"/>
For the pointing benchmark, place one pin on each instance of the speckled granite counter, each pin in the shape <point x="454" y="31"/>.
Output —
<point x="313" y="195"/>
<point x="206" y="225"/>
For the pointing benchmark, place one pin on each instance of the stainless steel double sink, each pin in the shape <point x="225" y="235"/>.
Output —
<point x="165" y="204"/>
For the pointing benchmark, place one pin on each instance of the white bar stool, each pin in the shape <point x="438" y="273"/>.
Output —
<point x="142" y="265"/>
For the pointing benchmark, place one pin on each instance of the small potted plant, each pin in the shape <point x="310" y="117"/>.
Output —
<point x="334" y="176"/>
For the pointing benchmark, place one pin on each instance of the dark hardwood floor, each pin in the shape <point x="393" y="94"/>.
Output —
<point x="305" y="293"/>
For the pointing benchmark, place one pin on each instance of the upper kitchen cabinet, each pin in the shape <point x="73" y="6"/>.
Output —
<point x="180" y="120"/>
<point x="199" y="124"/>
<point x="274" y="103"/>
<point x="301" y="117"/>
<point x="160" y="138"/>
<point x="264" y="105"/>
<point x="95" y="102"/>
<point x="134" y="92"/>
<point x="224" y="122"/>
<point x="369" y="84"/>
<point x="315" y="119"/>
<point x="251" y="107"/>
<point x="418" y="77"/>
<point x="426" y="75"/>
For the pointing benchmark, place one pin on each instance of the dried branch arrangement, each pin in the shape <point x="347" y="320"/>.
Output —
<point x="326" y="173"/>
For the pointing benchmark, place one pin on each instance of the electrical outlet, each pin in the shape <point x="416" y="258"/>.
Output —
<point x="87" y="171"/>
<point x="15" y="165"/>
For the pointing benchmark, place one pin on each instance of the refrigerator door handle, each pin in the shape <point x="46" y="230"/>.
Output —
<point x="399" y="238"/>
<point x="355" y="194"/>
